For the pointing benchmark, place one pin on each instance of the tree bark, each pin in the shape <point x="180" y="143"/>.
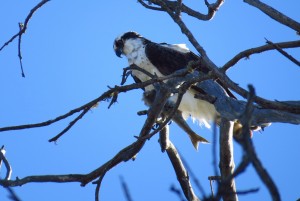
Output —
<point x="228" y="188"/>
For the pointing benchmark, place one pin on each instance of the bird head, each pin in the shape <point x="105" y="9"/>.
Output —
<point x="124" y="44"/>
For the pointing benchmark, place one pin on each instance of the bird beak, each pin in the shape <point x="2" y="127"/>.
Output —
<point x="119" y="52"/>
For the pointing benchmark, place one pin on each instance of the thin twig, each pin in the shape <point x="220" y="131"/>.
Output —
<point x="19" y="49"/>
<point x="255" y="50"/>
<point x="211" y="187"/>
<point x="284" y="53"/>
<point x="125" y="189"/>
<point x="150" y="7"/>
<point x="106" y="95"/>
<point x="71" y="124"/>
<point x="22" y="29"/>
<point x="12" y="194"/>
<point x="193" y="176"/>
<point x="6" y="163"/>
<point x="275" y="14"/>
<point x="178" y="192"/>
<point x="183" y="27"/>
<point x="167" y="117"/>
<point x="98" y="185"/>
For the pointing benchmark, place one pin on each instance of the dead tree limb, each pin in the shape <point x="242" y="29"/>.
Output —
<point x="247" y="53"/>
<point x="181" y="173"/>
<point x="226" y="165"/>
<point x="249" y="149"/>
<point x="22" y="29"/>
<point x="275" y="14"/>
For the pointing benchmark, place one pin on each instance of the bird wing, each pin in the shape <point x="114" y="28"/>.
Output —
<point x="167" y="58"/>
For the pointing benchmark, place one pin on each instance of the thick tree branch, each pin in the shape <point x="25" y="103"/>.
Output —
<point x="131" y="150"/>
<point x="250" y="151"/>
<point x="217" y="73"/>
<point x="43" y="178"/>
<point x="181" y="173"/>
<point x="227" y="187"/>
<point x="228" y="108"/>
<point x="227" y="82"/>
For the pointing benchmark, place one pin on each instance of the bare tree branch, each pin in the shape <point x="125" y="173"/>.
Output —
<point x="150" y="7"/>
<point x="181" y="173"/>
<point x="193" y="176"/>
<point x="43" y="178"/>
<point x="19" y="50"/>
<point x="179" y="82"/>
<point x="98" y="185"/>
<point x="12" y="194"/>
<point x="247" y="53"/>
<point x="227" y="187"/>
<point x="72" y="123"/>
<point x="178" y="192"/>
<point x="284" y="53"/>
<point x="24" y="25"/>
<point x="227" y="82"/>
<point x="6" y="163"/>
<point x="275" y="14"/>
<point x="250" y="151"/>
<point x="106" y="95"/>
<point x="175" y="5"/>
<point x="22" y="29"/>
<point x="182" y="26"/>
<point x="125" y="189"/>
<point x="217" y="72"/>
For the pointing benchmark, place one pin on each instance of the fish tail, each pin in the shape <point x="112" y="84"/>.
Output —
<point x="196" y="139"/>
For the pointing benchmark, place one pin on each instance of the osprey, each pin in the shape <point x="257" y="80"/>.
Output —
<point x="163" y="59"/>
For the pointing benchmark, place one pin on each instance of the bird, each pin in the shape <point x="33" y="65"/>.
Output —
<point x="162" y="59"/>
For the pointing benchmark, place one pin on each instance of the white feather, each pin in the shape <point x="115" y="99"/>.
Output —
<point x="198" y="110"/>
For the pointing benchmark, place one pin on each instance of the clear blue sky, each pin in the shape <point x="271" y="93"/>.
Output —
<point x="68" y="60"/>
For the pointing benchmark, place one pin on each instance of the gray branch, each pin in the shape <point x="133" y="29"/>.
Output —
<point x="249" y="150"/>
<point x="275" y="14"/>
<point x="232" y="109"/>
<point x="181" y="173"/>
<point x="227" y="188"/>
<point x="6" y="163"/>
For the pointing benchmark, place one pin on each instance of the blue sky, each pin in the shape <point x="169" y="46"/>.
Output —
<point x="68" y="60"/>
